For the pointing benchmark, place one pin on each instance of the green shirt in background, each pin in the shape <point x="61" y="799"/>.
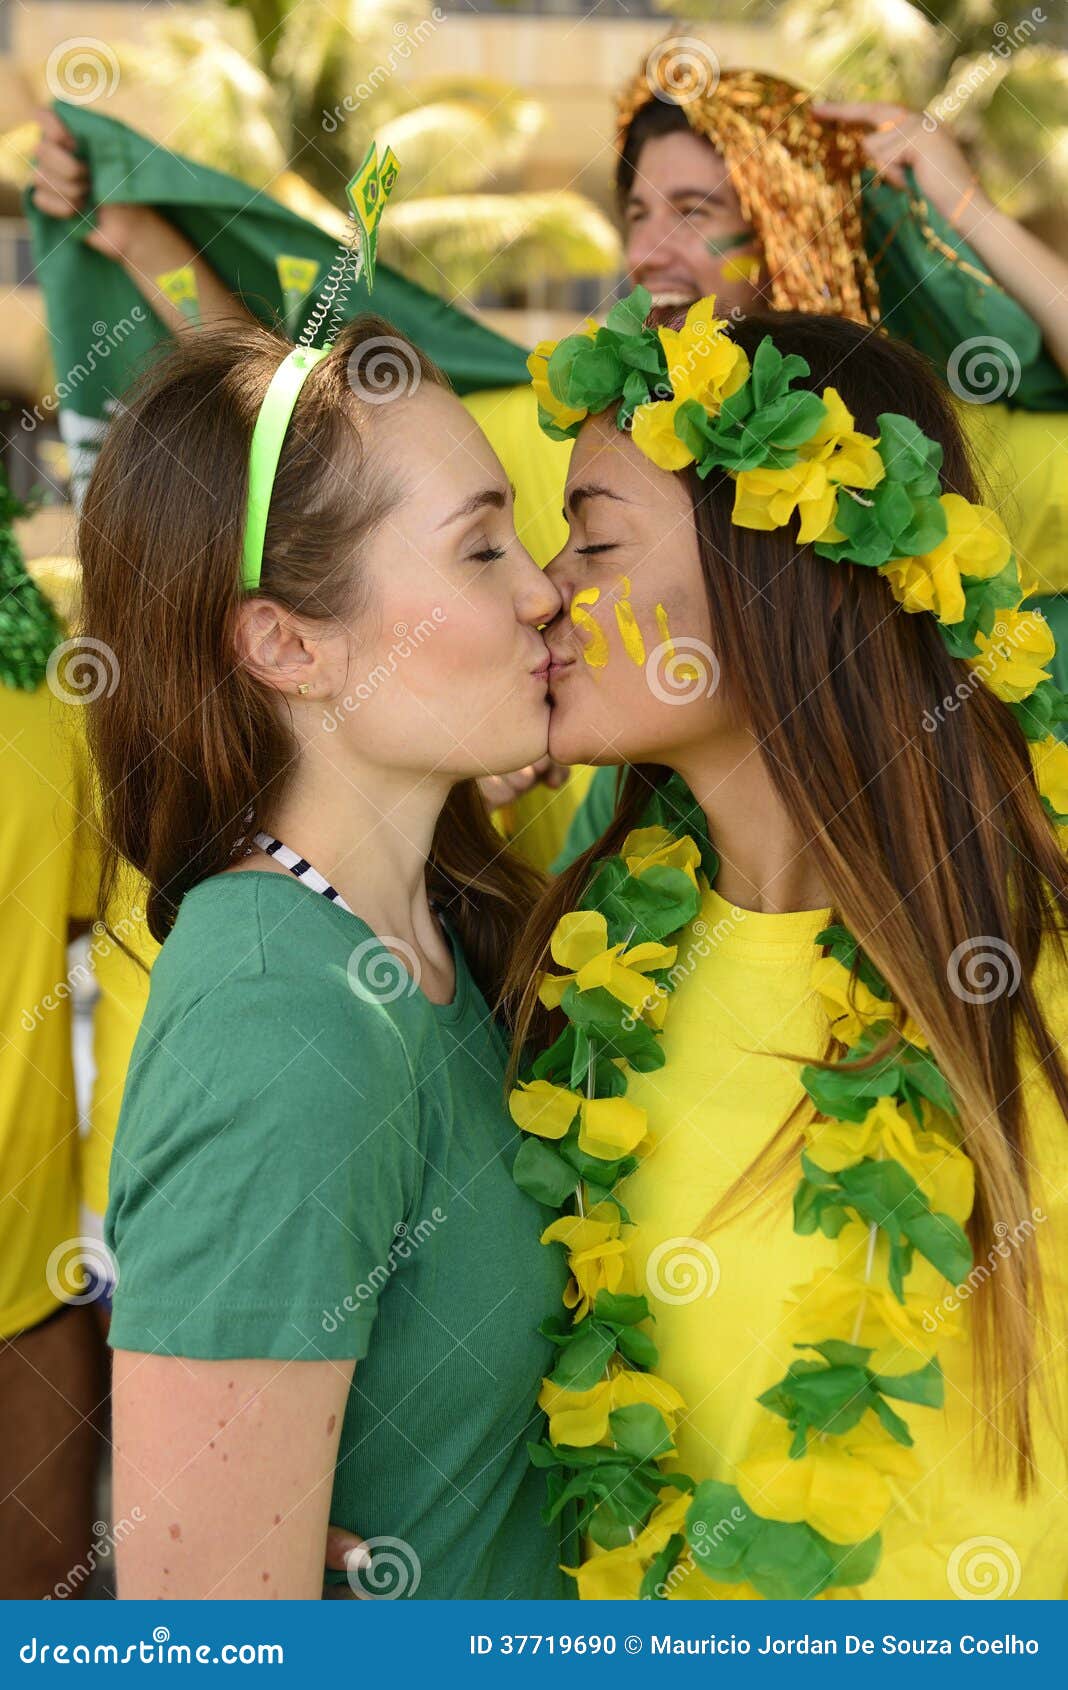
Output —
<point x="314" y="1161"/>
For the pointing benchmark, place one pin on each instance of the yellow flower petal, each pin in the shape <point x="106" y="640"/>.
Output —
<point x="579" y="936"/>
<point x="1049" y="758"/>
<point x="542" y="1108"/>
<point x="1012" y="658"/>
<point x="611" y="1127"/>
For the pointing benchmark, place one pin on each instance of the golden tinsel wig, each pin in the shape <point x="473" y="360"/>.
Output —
<point x="798" y="180"/>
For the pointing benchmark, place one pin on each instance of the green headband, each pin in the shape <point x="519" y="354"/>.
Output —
<point x="267" y="439"/>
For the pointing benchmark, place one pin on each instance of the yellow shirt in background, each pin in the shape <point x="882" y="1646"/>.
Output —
<point x="47" y="849"/>
<point x="720" y="1301"/>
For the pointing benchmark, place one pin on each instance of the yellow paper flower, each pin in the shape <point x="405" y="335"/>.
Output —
<point x="976" y="544"/>
<point x="538" y="365"/>
<point x="596" y="1255"/>
<point x="542" y="1108"/>
<point x="838" y="1487"/>
<point x="768" y="498"/>
<point x="944" y="1174"/>
<point x="581" y="1417"/>
<point x="1013" y="657"/>
<point x="611" y="1127"/>
<point x="850" y="458"/>
<point x="828" y="1307"/>
<point x="1049" y="758"/>
<point x="654" y="847"/>
<point x="615" y="1575"/>
<point x="851" y="1006"/>
<point x="580" y="944"/>
<point x="703" y="364"/>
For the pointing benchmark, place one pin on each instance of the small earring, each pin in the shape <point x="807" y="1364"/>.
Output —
<point x="304" y="689"/>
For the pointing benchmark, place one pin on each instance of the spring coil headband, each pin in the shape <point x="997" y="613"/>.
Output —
<point x="367" y="191"/>
<point x="690" y="396"/>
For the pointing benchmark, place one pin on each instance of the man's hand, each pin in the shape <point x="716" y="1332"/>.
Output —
<point x="498" y="790"/>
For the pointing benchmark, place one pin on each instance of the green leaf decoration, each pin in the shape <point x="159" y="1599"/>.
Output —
<point x="847" y="1091"/>
<point x="884" y="1194"/>
<point x="674" y="807"/>
<point x="1040" y="714"/>
<point x="583" y="1360"/>
<point x="653" y="1585"/>
<point x="627" y="316"/>
<point x="761" y="425"/>
<point x="925" y="1385"/>
<point x="542" y="1174"/>
<point x="845" y="949"/>
<point x="621" y="1308"/>
<point x="641" y="1431"/>
<point x="652" y="906"/>
<point x="783" y="1562"/>
<point x="30" y="629"/>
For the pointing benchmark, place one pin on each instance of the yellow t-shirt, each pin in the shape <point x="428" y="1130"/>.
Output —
<point x="47" y="848"/>
<point x="720" y="1301"/>
<point x="1022" y="460"/>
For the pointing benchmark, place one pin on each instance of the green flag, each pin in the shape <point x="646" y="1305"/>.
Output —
<point x="103" y="331"/>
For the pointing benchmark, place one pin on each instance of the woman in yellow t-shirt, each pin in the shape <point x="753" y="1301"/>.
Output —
<point x="847" y="847"/>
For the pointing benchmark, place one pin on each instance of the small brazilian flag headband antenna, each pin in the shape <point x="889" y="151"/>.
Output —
<point x="367" y="192"/>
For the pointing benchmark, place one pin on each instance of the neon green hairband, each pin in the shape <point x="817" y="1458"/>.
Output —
<point x="267" y="438"/>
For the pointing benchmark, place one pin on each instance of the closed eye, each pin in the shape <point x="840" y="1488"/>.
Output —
<point x="589" y="551"/>
<point x="490" y="555"/>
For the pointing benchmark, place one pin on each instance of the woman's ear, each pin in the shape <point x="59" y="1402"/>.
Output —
<point x="276" y="646"/>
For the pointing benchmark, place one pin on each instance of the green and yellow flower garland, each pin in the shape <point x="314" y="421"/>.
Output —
<point x="880" y="1170"/>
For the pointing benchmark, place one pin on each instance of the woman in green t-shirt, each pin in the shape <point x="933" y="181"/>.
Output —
<point x="329" y="1286"/>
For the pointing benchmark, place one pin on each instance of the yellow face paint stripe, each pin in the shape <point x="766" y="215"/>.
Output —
<point x="595" y="652"/>
<point x="629" y="632"/>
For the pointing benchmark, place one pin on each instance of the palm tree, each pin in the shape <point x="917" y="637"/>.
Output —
<point x="997" y="78"/>
<point x="287" y="94"/>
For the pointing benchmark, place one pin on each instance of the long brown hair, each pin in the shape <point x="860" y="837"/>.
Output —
<point x="926" y="840"/>
<point x="190" y="748"/>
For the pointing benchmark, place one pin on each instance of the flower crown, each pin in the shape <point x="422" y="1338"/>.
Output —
<point x="691" y="396"/>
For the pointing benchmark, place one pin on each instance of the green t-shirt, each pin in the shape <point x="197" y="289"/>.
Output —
<point x="314" y="1161"/>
